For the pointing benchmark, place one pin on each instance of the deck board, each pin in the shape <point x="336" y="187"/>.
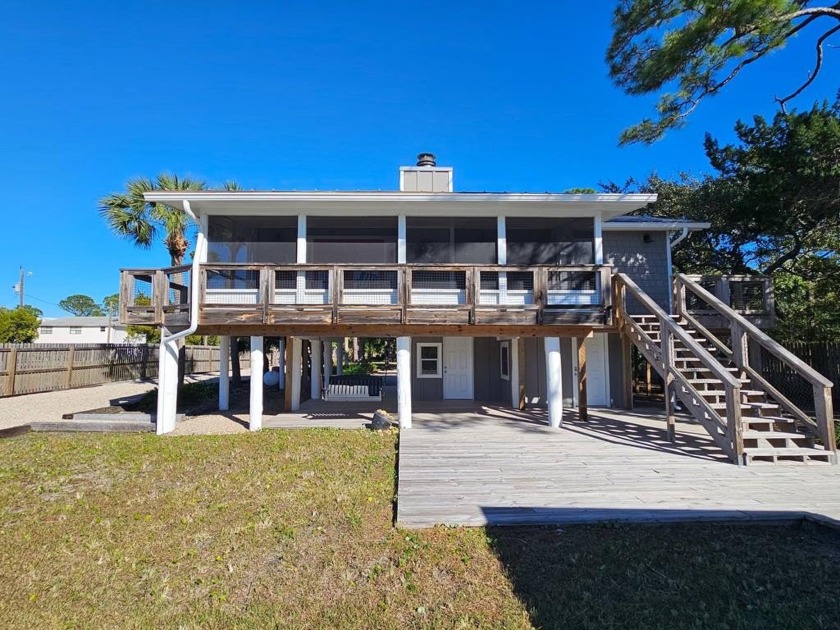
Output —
<point x="492" y="466"/>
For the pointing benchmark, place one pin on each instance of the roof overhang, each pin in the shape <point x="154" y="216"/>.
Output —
<point x="409" y="204"/>
<point x="653" y="226"/>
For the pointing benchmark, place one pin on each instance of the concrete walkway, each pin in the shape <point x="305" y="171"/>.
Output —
<point x="496" y="466"/>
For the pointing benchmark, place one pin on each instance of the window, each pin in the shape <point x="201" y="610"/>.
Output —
<point x="46" y="330"/>
<point x="504" y="360"/>
<point x="428" y="360"/>
<point x="75" y="330"/>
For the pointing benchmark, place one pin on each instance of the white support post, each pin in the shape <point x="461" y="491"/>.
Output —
<point x="598" y="241"/>
<point x="295" y="373"/>
<point x="404" y="381"/>
<point x="300" y="281"/>
<point x="501" y="257"/>
<point x="554" y="382"/>
<point x="513" y="349"/>
<point x="401" y="239"/>
<point x="501" y="241"/>
<point x="256" y="409"/>
<point x="315" y="370"/>
<point x="224" y="373"/>
<point x="327" y="363"/>
<point x="167" y="403"/>
<point x="339" y="368"/>
<point x="281" y="363"/>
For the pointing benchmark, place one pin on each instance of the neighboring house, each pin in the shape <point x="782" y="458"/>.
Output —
<point x="513" y="298"/>
<point x="82" y="330"/>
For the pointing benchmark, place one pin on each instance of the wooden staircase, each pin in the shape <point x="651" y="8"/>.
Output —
<point x="743" y="413"/>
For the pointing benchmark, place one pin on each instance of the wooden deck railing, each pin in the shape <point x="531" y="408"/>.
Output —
<point x="725" y="429"/>
<point x="371" y="294"/>
<point x="749" y="296"/>
<point x="745" y="339"/>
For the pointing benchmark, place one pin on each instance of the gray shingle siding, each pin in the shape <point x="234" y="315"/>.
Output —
<point x="645" y="263"/>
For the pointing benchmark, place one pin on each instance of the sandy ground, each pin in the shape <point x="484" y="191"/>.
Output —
<point x="212" y="424"/>
<point x="50" y="406"/>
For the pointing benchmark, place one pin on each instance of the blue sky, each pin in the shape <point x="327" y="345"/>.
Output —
<point x="316" y="95"/>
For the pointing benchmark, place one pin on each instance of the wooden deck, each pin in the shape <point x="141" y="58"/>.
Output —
<point x="489" y="465"/>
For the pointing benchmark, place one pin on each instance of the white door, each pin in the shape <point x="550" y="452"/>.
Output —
<point x="597" y="378"/>
<point x="458" y="368"/>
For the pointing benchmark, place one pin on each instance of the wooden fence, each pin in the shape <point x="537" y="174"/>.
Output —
<point x="30" y="368"/>
<point x="824" y="357"/>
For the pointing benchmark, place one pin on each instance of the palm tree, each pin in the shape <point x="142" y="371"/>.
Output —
<point x="130" y="216"/>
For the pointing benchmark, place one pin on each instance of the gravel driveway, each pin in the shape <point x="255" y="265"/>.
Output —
<point x="50" y="406"/>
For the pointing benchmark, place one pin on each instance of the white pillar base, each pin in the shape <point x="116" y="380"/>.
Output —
<point x="256" y="409"/>
<point x="167" y="403"/>
<point x="224" y="373"/>
<point x="404" y="381"/>
<point x="554" y="382"/>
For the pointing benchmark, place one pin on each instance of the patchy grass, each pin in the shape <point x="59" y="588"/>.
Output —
<point x="294" y="529"/>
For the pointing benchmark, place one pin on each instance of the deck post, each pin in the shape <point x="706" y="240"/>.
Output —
<point x="295" y="346"/>
<point x="554" y="381"/>
<point x="315" y="369"/>
<point x="513" y="361"/>
<point x="339" y="359"/>
<point x="256" y="408"/>
<point x="327" y="363"/>
<point x="583" y="409"/>
<point x="404" y="381"/>
<point x="281" y="363"/>
<point x="167" y="403"/>
<point x="224" y="373"/>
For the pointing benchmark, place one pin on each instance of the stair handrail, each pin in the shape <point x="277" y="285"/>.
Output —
<point x="823" y="406"/>
<point x="731" y="421"/>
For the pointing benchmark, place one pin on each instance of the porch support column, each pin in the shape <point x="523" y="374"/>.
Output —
<point x="256" y="409"/>
<point x="583" y="410"/>
<point x="315" y="369"/>
<point x="327" y="362"/>
<point x="339" y="359"/>
<point x="515" y="397"/>
<point x="554" y="381"/>
<point x="224" y="373"/>
<point x="404" y="381"/>
<point x="167" y="403"/>
<point x="293" y="373"/>
<point x="281" y="363"/>
<point x="598" y="240"/>
<point x="401" y="239"/>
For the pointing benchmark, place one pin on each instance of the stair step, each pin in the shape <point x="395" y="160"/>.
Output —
<point x="775" y="455"/>
<point x="770" y="423"/>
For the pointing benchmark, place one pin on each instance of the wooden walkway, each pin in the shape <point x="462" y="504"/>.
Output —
<point x="489" y="465"/>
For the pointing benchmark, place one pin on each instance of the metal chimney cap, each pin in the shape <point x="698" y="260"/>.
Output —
<point x="426" y="159"/>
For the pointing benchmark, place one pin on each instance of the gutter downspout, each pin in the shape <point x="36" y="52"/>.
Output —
<point x="171" y="397"/>
<point x="670" y="269"/>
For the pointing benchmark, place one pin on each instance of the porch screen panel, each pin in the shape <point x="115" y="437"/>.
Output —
<point x="453" y="240"/>
<point x="350" y="240"/>
<point x="547" y="241"/>
<point x="252" y="239"/>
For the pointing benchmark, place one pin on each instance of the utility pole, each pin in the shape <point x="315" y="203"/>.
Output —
<point x="20" y="285"/>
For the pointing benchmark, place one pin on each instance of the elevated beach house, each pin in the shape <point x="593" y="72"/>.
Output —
<point x="522" y="300"/>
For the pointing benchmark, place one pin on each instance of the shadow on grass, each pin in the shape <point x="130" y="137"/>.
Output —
<point x="748" y="574"/>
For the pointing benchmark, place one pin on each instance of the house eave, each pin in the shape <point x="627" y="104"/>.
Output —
<point x="409" y="204"/>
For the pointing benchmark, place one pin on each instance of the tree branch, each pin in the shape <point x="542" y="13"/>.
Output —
<point x="813" y="75"/>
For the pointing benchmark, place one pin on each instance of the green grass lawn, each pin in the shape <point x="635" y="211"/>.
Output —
<point x="294" y="529"/>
